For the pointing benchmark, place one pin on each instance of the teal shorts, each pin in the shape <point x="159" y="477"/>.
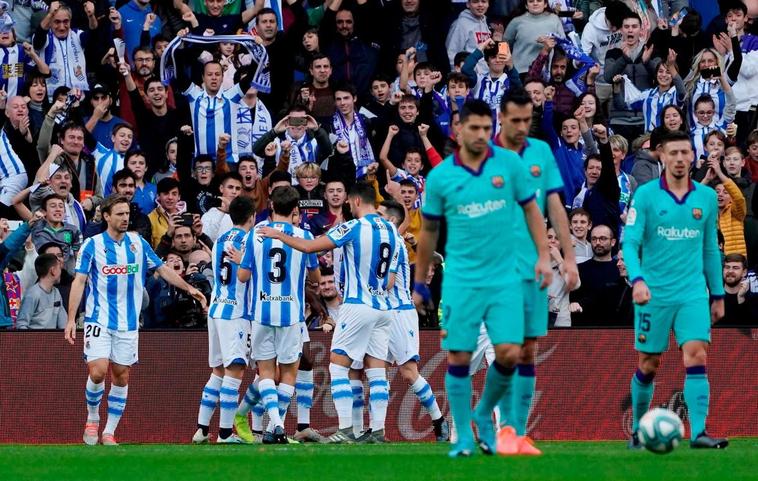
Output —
<point x="465" y="309"/>
<point x="535" y="309"/>
<point x="690" y="322"/>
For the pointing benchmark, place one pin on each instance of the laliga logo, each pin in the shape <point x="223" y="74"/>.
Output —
<point x="120" y="270"/>
<point x="672" y="233"/>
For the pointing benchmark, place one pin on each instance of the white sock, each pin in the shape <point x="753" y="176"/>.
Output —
<point x="270" y="400"/>
<point x="378" y="396"/>
<point x="209" y="400"/>
<point x="304" y="390"/>
<point x="93" y="393"/>
<point x="423" y="392"/>
<point x="251" y="398"/>
<point x="228" y="401"/>
<point x="284" y="393"/>
<point x="116" y="404"/>
<point x="342" y="395"/>
<point x="358" y="403"/>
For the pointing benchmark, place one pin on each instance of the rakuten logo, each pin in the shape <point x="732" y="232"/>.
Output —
<point x="120" y="270"/>
<point x="673" y="234"/>
<point x="477" y="209"/>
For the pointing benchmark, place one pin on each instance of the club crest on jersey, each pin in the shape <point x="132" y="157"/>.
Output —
<point x="133" y="248"/>
<point x="642" y="338"/>
<point x="498" y="182"/>
<point x="697" y="213"/>
<point x="535" y="170"/>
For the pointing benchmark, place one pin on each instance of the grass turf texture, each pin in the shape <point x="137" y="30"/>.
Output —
<point x="561" y="460"/>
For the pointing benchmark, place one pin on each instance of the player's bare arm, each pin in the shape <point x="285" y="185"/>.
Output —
<point x="559" y="221"/>
<point x="427" y="242"/>
<point x="542" y="270"/>
<point x="170" y="276"/>
<point x="74" y="299"/>
<point x="323" y="243"/>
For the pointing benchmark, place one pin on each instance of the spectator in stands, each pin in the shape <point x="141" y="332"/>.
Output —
<point x="558" y="297"/>
<point x="11" y="246"/>
<point x="124" y="183"/>
<point x="311" y="192"/>
<point x="336" y="211"/>
<point x="42" y="305"/>
<point x="102" y="122"/>
<point x="52" y="228"/>
<point x="320" y="91"/>
<point x="170" y="307"/>
<point x="732" y="208"/>
<point x="739" y="301"/>
<point x="169" y="206"/>
<point x="598" y="302"/>
<point x="580" y="224"/>
<point x="184" y="240"/>
<point x="469" y="30"/>
<point x="217" y="221"/>
<point x="647" y="165"/>
<point x="523" y="32"/>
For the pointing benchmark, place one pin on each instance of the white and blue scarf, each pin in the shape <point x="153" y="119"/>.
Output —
<point x="261" y="77"/>
<point x="65" y="57"/>
<point x="361" y="150"/>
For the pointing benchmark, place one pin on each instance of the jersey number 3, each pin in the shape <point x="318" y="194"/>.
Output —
<point x="278" y="257"/>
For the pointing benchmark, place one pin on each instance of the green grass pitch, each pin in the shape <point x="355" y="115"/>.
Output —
<point x="561" y="460"/>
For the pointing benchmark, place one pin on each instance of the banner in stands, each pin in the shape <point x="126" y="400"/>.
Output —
<point x="582" y="387"/>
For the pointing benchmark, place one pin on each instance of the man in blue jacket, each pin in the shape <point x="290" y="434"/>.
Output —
<point x="133" y="16"/>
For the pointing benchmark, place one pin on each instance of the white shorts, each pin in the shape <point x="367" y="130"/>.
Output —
<point x="403" y="345"/>
<point x="362" y="330"/>
<point x="10" y="186"/>
<point x="304" y="332"/>
<point x="119" y="347"/>
<point x="484" y="349"/>
<point x="228" y="341"/>
<point x="285" y="344"/>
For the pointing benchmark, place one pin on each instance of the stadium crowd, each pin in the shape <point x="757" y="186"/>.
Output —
<point x="182" y="107"/>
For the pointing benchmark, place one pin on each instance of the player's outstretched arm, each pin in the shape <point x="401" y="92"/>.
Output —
<point x="427" y="242"/>
<point x="559" y="221"/>
<point x="323" y="243"/>
<point x="543" y="271"/>
<point x="633" y="235"/>
<point x="74" y="300"/>
<point x="170" y="276"/>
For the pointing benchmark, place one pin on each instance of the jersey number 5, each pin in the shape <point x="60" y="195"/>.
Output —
<point x="384" y="260"/>
<point x="278" y="258"/>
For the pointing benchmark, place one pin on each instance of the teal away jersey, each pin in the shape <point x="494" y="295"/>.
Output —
<point x="672" y="244"/>
<point x="481" y="210"/>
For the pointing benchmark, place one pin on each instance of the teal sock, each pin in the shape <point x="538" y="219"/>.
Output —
<point x="496" y="384"/>
<point x="504" y="406"/>
<point x="458" y="387"/>
<point x="523" y="392"/>
<point x="697" y="392"/>
<point x="642" y="393"/>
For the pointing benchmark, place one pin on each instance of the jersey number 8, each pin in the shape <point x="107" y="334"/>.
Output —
<point x="384" y="260"/>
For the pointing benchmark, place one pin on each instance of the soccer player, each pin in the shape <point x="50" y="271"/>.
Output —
<point x="476" y="191"/>
<point x="545" y="179"/>
<point x="112" y="266"/>
<point x="670" y="241"/>
<point x="228" y="327"/>
<point x="362" y="333"/>
<point x="278" y="275"/>
<point x="403" y="341"/>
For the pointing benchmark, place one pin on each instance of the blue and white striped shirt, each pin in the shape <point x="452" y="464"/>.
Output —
<point x="400" y="294"/>
<point x="107" y="163"/>
<point x="370" y="256"/>
<point x="116" y="272"/>
<point x="654" y="103"/>
<point x="15" y="63"/>
<point x="278" y="276"/>
<point x="213" y="116"/>
<point x="10" y="162"/>
<point x="230" y="298"/>
<point x="712" y="88"/>
<point x="699" y="134"/>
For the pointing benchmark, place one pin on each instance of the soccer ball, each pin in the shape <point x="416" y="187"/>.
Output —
<point x="660" y="430"/>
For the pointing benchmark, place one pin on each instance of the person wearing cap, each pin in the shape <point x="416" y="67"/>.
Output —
<point x="102" y="121"/>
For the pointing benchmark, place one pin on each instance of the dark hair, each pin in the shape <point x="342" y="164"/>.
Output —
<point x="395" y="210"/>
<point x="135" y="153"/>
<point x="381" y="77"/>
<point x="458" y="77"/>
<point x="247" y="158"/>
<point x="166" y="185"/>
<point x="705" y="98"/>
<point x="285" y="199"/>
<point x="112" y="200"/>
<point x="475" y="107"/>
<point x="413" y="150"/>
<point x="460" y="57"/>
<point x="145" y="49"/>
<point x="318" y="56"/>
<point x="326" y="271"/>
<point x="674" y="136"/>
<point x="752" y="138"/>
<point x="592" y="157"/>
<point x="633" y="15"/>
<point x="345" y="87"/>
<point x="125" y="173"/>
<point x="517" y="96"/>
<point x="48" y="245"/>
<point x="62" y="90"/>
<point x="159" y="38"/>
<point x="151" y="80"/>
<point x="363" y="191"/>
<point x="119" y="126"/>
<point x="580" y="211"/>
<point x="43" y="263"/>
<point x="422" y="66"/>
<point x="268" y="10"/>
<point x="733" y="258"/>
<point x="530" y="80"/>
<point x="279" y="176"/>
<point x="728" y="5"/>
<point x="69" y="125"/>
<point x="50" y="197"/>
<point x="297" y="107"/>
<point x="229" y="175"/>
<point x="616" y="12"/>
<point x="655" y="136"/>
<point x="241" y="209"/>
<point x="408" y="183"/>
<point x="681" y="113"/>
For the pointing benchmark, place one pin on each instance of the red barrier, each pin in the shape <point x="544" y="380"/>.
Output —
<point x="582" y="387"/>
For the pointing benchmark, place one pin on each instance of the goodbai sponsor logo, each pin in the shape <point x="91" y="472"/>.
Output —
<point x="477" y="209"/>
<point x="120" y="270"/>
<point x="676" y="234"/>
